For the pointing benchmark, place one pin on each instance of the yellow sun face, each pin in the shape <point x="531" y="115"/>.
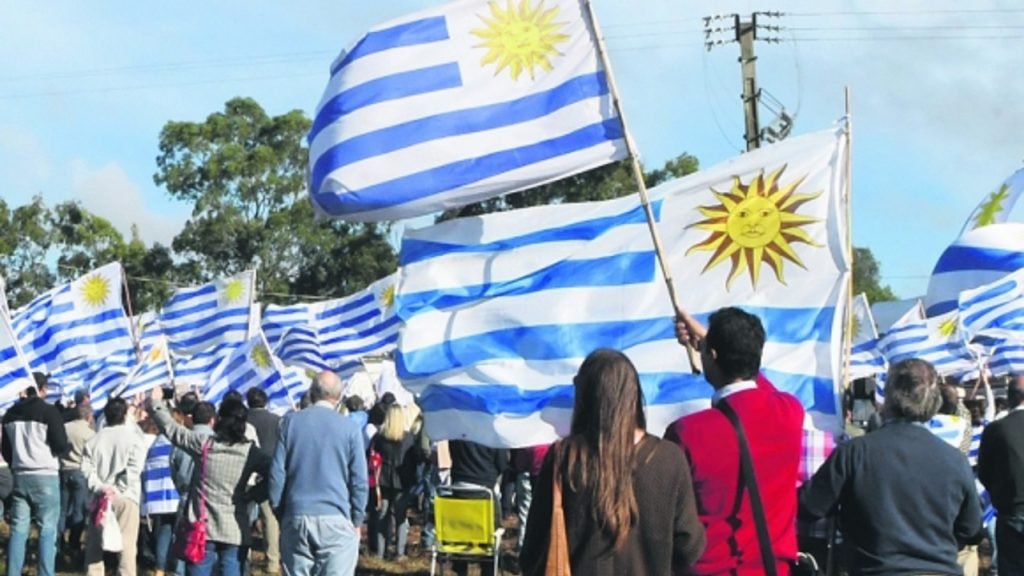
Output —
<point x="155" y="353"/>
<point x="753" y="224"/>
<point x="948" y="327"/>
<point x="234" y="291"/>
<point x="260" y="356"/>
<point x="95" y="290"/>
<point x="387" y="297"/>
<point x="520" y="37"/>
<point x="992" y="207"/>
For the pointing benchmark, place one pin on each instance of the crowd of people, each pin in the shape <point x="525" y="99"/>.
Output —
<point x="748" y="486"/>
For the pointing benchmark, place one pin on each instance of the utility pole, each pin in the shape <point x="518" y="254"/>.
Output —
<point x="745" y="34"/>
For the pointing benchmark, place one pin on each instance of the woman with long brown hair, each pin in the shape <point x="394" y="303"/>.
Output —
<point x="627" y="496"/>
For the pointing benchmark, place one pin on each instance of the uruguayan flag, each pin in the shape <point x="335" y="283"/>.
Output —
<point x="251" y="365"/>
<point x="81" y="320"/>
<point x="996" y="207"/>
<point x="279" y="319"/>
<point x="196" y="370"/>
<point x="153" y="371"/>
<point x="500" y="310"/>
<point x="461" y="103"/>
<point x="995" y="310"/>
<point x="297" y="381"/>
<point x="976" y="258"/>
<point x="15" y="374"/>
<point x="937" y="340"/>
<point x="865" y="358"/>
<point x="198" y="319"/>
<point x="336" y="334"/>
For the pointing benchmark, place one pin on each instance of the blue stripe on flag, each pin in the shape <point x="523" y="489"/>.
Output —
<point x="392" y="87"/>
<point x="414" y="250"/>
<point x="241" y="326"/>
<point x="444" y="125"/>
<point x="990" y="294"/>
<point x="425" y="31"/>
<point x="963" y="258"/>
<point x="350" y="335"/>
<point x="348" y="352"/>
<point x="54" y="329"/>
<point x="181" y="298"/>
<point x="99" y="338"/>
<point x="615" y="270"/>
<point x="345" y="308"/>
<point x="8" y="353"/>
<point x="814" y="392"/>
<point x="464" y="172"/>
<point x="495" y="399"/>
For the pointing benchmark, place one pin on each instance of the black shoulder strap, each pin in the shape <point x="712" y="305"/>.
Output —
<point x="750" y="484"/>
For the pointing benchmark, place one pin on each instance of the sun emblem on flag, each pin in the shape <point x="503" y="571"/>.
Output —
<point x="156" y="353"/>
<point x="234" y="291"/>
<point x="520" y="37"/>
<point x="387" y="297"/>
<point x="992" y="207"/>
<point x="755" y="223"/>
<point x="260" y="356"/>
<point x="948" y="326"/>
<point x="855" y="327"/>
<point x="95" y="290"/>
<point x="311" y="374"/>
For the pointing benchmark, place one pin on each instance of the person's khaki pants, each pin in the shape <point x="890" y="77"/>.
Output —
<point x="127" y="514"/>
<point x="272" y="534"/>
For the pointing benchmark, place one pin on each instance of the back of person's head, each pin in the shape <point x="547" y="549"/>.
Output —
<point x="231" y="420"/>
<point x="355" y="404"/>
<point x="83" y="412"/>
<point x="115" y="411"/>
<point x="912" y="391"/>
<point x="187" y="403"/>
<point x="1015" y="391"/>
<point x="232" y="396"/>
<point x="202" y="413"/>
<point x="734" y="343"/>
<point x="42" y="384"/>
<point x="256" y="398"/>
<point x="394" y="424"/>
<point x="326" y="386"/>
<point x="608" y="410"/>
<point x="950" y="399"/>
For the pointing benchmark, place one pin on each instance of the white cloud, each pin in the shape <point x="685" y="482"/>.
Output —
<point x="24" y="165"/>
<point x="109" y="192"/>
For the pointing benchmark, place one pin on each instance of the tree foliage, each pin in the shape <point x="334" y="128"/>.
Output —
<point x="867" y="277"/>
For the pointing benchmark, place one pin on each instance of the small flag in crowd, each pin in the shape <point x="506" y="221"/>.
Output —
<point x="203" y="317"/>
<point x="976" y="258"/>
<point x="81" y="320"/>
<point x="458" y="104"/>
<point x="865" y="358"/>
<point x="996" y="207"/>
<point x="336" y="334"/>
<point x="15" y="374"/>
<point x="251" y="365"/>
<point x="995" y="310"/>
<point x="501" y="309"/>
<point x="938" y="340"/>
<point x="154" y="369"/>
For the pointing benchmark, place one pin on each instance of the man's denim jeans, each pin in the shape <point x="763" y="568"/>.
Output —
<point x="318" y="545"/>
<point x="34" y="496"/>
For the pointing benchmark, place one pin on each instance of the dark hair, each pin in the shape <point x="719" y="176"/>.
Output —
<point x="256" y="398"/>
<point x="115" y="411"/>
<point x="912" y="391"/>
<point x="737" y="339"/>
<point x="232" y="395"/>
<point x="202" y="413"/>
<point x="187" y="403"/>
<point x="231" y="420"/>
<point x="42" y="380"/>
<point x="608" y="409"/>
<point x="355" y="404"/>
<point x="950" y="399"/>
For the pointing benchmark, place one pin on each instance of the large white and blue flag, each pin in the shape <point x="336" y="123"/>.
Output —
<point x="865" y="358"/>
<point x="155" y="368"/>
<point x="15" y="374"/>
<point x="337" y="334"/>
<point x="251" y="365"/>
<point x="978" y="257"/>
<point x="995" y="310"/>
<point x="72" y="327"/>
<point x="997" y="205"/>
<point x="938" y="340"/>
<point x="500" y="310"/>
<point x="201" y="318"/>
<point x="461" y="103"/>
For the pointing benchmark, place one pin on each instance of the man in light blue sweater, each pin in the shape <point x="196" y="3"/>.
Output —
<point x="318" y="486"/>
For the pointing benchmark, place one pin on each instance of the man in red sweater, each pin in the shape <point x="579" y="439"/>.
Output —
<point x="773" y="422"/>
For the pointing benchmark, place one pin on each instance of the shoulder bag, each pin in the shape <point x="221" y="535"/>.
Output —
<point x="192" y="535"/>
<point x="558" y="543"/>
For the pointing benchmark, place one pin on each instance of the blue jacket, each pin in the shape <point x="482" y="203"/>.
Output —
<point x="319" y="466"/>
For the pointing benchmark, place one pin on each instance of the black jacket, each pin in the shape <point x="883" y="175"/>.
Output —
<point x="1001" y="464"/>
<point x="477" y="464"/>
<point x="267" y="425"/>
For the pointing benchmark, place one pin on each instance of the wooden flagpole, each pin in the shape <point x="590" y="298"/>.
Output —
<point x="848" y="176"/>
<point x="638" y="175"/>
<point x="131" y="315"/>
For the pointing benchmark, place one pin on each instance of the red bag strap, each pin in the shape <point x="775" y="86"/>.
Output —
<point x="204" y="457"/>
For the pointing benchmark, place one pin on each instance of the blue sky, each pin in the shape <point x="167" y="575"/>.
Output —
<point x="86" y="87"/>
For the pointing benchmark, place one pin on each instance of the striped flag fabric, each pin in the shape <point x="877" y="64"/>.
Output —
<point x="995" y="310"/>
<point x="154" y="369"/>
<point x="4" y="308"/>
<point x="336" y="334"/>
<point x="251" y="365"/>
<point x="996" y="207"/>
<point x="159" y="496"/>
<point x="203" y="317"/>
<point x="84" y="319"/>
<point x="865" y="358"/>
<point x="977" y="258"/>
<point x="461" y="103"/>
<point x="500" y="310"/>
<point x="937" y="340"/>
<point x="279" y="319"/>
<point x="15" y="374"/>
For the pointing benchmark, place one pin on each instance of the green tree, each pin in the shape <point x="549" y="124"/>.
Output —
<point x="867" y="277"/>
<point x="244" y="172"/>
<point x="25" y="240"/>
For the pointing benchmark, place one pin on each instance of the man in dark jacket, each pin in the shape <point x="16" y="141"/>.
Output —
<point x="33" y="440"/>
<point x="1001" y="470"/>
<point x="476" y="466"/>
<point x="267" y="425"/>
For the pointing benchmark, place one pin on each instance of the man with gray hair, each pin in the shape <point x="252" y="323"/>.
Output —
<point x="906" y="500"/>
<point x="318" y="485"/>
